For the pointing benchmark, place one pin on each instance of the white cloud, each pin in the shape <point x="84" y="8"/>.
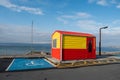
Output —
<point x="88" y="24"/>
<point x="114" y="3"/>
<point x="114" y="31"/>
<point x="116" y="22"/>
<point x="22" y="34"/>
<point x="62" y="20"/>
<point x="102" y="2"/>
<point x="76" y="16"/>
<point x="105" y="2"/>
<point x="110" y="36"/>
<point x="83" y="15"/>
<point x="8" y="4"/>
<point x="118" y="6"/>
<point x="68" y="16"/>
<point x="81" y="20"/>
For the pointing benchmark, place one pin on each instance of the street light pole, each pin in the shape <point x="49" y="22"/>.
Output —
<point x="100" y="42"/>
<point x="100" y="38"/>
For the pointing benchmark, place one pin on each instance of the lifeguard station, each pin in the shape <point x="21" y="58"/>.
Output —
<point x="73" y="45"/>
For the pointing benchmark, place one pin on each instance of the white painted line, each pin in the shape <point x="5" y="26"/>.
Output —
<point x="50" y="63"/>
<point x="10" y="65"/>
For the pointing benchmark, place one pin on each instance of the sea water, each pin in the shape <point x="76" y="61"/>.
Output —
<point x="22" y="48"/>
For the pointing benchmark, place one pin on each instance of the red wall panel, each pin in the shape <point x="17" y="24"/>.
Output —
<point x="56" y="53"/>
<point x="74" y="54"/>
<point x="77" y="54"/>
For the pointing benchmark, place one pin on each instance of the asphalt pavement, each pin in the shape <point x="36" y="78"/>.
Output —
<point x="102" y="72"/>
<point x="4" y="63"/>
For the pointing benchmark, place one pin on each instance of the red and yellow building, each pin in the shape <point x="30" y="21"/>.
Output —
<point x="73" y="45"/>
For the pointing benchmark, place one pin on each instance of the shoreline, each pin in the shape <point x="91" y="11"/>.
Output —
<point x="40" y="54"/>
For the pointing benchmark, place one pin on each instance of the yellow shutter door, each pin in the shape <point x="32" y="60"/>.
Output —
<point x="74" y="42"/>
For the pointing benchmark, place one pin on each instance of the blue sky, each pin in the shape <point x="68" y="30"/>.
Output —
<point x="88" y="16"/>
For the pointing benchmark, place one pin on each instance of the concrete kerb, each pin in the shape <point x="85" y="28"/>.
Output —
<point x="81" y="63"/>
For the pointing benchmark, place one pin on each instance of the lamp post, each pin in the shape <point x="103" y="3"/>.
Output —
<point x="100" y="38"/>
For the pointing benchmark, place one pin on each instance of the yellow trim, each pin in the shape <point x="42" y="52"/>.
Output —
<point x="56" y="36"/>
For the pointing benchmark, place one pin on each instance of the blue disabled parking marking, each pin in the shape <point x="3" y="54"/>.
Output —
<point x="29" y="64"/>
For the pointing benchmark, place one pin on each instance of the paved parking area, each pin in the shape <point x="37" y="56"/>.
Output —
<point x="102" y="72"/>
